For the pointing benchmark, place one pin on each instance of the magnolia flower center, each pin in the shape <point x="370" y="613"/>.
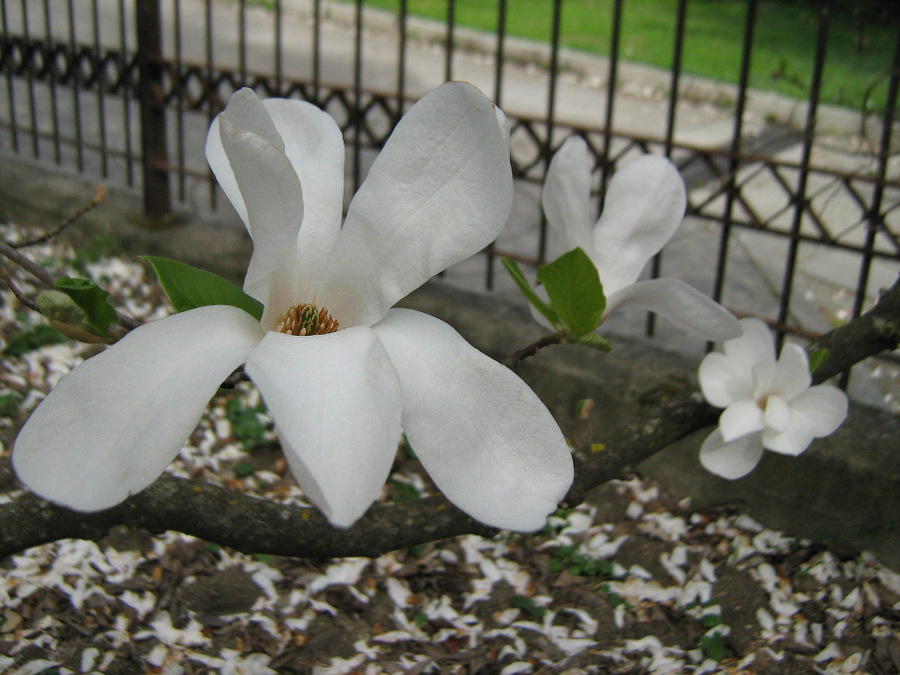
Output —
<point x="304" y="319"/>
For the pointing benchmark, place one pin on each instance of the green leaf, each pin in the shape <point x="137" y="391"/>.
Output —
<point x="595" y="341"/>
<point x="246" y="425"/>
<point x="529" y="606"/>
<point x="513" y="268"/>
<point x="9" y="404"/>
<point x="244" y="469"/>
<point x="189" y="287"/>
<point x="403" y="492"/>
<point x="711" y="620"/>
<point x="99" y="314"/>
<point x="817" y="358"/>
<point x="713" y="647"/>
<point x="60" y="307"/>
<point x="575" y="291"/>
<point x="37" y="337"/>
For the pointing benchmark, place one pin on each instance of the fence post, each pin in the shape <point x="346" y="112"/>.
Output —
<point x="151" y="93"/>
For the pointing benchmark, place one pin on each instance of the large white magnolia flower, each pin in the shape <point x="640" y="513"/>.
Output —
<point x="644" y="205"/>
<point x="768" y="403"/>
<point x="340" y="371"/>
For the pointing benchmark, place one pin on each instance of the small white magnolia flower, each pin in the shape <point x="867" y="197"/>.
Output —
<point x="340" y="371"/>
<point x="768" y="403"/>
<point x="644" y="205"/>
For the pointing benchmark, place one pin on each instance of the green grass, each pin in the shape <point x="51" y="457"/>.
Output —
<point x="784" y="44"/>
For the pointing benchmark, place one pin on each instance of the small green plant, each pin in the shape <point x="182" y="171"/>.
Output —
<point x="567" y="558"/>
<point x="34" y="338"/>
<point x="529" y="605"/>
<point x="244" y="469"/>
<point x="246" y="424"/>
<point x="9" y="404"/>
<point x="713" y="646"/>
<point x="403" y="492"/>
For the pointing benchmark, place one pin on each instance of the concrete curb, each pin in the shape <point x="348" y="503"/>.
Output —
<point x="844" y="490"/>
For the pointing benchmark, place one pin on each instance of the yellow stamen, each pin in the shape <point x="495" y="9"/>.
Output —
<point x="304" y="319"/>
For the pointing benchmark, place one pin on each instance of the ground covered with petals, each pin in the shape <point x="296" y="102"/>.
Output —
<point x="633" y="581"/>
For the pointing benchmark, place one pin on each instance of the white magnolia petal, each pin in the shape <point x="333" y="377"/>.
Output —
<point x="730" y="460"/>
<point x="336" y="403"/>
<point x="439" y="192"/>
<point x="777" y="413"/>
<point x="486" y="439"/>
<point x="791" y="441"/>
<point x="644" y="205"/>
<point x="566" y="197"/>
<point x="764" y="375"/>
<point x="113" y="424"/>
<point x="221" y="168"/>
<point x="820" y="409"/>
<point x="792" y="371"/>
<point x="753" y="348"/>
<point x="503" y="123"/>
<point x="721" y="382"/>
<point x="314" y="146"/>
<point x="740" y="419"/>
<point x="245" y="111"/>
<point x="814" y="413"/>
<point x="271" y="193"/>
<point x="681" y="304"/>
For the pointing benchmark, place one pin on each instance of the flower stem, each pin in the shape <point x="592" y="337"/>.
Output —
<point x="532" y="349"/>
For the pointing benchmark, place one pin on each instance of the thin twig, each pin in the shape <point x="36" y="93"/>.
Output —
<point x="99" y="198"/>
<point x="49" y="280"/>
<point x="27" y="264"/>
<point x="532" y="349"/>
<point x="16" y="291"/>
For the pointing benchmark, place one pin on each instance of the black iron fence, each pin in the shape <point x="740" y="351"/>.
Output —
<point x="124" y="90"/>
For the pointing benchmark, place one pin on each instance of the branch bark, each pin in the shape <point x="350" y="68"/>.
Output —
<point x="255" y="525"/>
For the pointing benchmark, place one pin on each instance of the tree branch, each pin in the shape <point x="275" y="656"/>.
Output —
<point x="251" y="524"/>
<point x="876" y="331"/>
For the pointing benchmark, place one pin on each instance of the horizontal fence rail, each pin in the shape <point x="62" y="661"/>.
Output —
<point x="124" y="90"/>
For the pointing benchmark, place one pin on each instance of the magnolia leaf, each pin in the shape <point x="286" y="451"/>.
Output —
<point x="80" y="334"/>
<point x="190" y="287"/>
<point x="817" y="358"/>
<point x="57" y="306"/>
<point x="595" y="341"/>
<point x="99" y="314"/>
<point x="575" y="291"/>
<point x="513" y="268"/>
